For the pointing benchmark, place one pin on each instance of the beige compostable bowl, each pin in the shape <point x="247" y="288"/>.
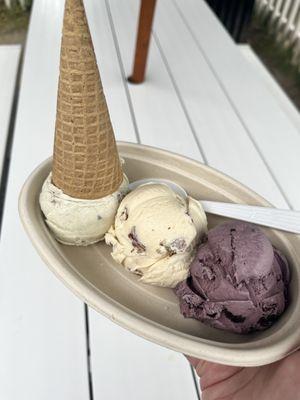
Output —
<point x="153" y="312"/>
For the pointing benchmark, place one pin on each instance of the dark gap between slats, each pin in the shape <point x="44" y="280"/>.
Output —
<point x="122" y="70"/>
<point x="88" y="352"/>
<point x="9" y="141"/>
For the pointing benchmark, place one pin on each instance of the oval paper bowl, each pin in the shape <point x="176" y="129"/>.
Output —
<point x="153" y="312"/>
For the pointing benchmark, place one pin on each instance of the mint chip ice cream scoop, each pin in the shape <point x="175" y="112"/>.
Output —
<point x="238" y="281"/>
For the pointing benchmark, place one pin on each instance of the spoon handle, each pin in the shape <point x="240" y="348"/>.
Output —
<point x="286" y="220"/>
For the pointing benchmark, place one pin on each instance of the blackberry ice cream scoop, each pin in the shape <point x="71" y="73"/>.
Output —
<point x="238" y="281"/>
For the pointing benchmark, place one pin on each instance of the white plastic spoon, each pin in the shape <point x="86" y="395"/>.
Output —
<point x="286" y="220"/>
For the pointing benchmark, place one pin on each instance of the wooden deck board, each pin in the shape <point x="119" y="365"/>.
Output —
<point x="9" y="61"/>
<point x="221" y="134"/>
<point x="201" y="98"/>
<point x="274" y="88"/>
<point x="42" y="335"/>
<point x="116" y="354"/>
<point x="274" y="136"/>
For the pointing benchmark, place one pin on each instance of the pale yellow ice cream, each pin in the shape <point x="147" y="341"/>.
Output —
<point x="76" y="221"/>
<point x="155" y="234"/>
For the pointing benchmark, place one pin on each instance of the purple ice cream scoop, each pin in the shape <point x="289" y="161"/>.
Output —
<point x="238" y="281"/>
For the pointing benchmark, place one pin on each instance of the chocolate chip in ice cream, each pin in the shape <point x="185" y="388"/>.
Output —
<point x="135" y="242"/>
<point x="124" y="214"/>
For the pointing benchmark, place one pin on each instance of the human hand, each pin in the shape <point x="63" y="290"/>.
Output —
<point x="277" y="381"/>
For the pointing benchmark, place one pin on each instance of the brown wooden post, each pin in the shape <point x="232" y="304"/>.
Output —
<point x="142" y="41"/>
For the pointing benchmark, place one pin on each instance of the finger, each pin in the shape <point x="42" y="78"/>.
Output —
<point x="192" y="360"/>
<point x="197" y="364"/>
<point x="229" y="383"/>
<point x="212" y="373"/>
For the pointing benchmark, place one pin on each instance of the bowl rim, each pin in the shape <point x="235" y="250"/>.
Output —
<point x="225" y="353"/>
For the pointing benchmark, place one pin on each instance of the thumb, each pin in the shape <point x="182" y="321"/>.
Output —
<point x="212" y="373"/>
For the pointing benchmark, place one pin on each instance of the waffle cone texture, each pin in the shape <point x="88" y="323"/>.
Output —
<point x="86" y="163"/>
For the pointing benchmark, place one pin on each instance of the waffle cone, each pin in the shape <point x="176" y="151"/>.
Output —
<point x="86" y="163"/>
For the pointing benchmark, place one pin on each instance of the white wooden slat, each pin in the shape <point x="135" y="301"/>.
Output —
<point x="42" y="335"/>
<point x="197" y="382"/>
<point x="274" y="88"/>
<point x="275" y="9"/>
<point x="292" y="14"/>
<point x="7" y="3"/>
<point x="108" y="64"/>
<point x="260" y="5"/>
<point x="9" y="60"/>
<point x="295" y="33"/>
<point x="270" y="4"/>
<point x="214" y="120"/>
<point x="278" y="5"/>
<point x="159" y="115"/>
<point x="283" y="16"/>
<point x="124" y="365"/>
<point x="285" y="22"/>
<point x="22" y="3"/>
<point x="274" y="135"/>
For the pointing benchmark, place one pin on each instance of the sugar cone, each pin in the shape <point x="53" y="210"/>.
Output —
<point x="86" y="164"/>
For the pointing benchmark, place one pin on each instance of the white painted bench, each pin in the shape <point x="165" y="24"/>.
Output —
<point x="9" y="60"/>
<point x="42" y="335"/>
<point x="275" y="90"/>
<point x="202" y="98"/>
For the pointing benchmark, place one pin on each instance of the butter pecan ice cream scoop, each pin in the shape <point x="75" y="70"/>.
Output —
<point x="155" y="234"/>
